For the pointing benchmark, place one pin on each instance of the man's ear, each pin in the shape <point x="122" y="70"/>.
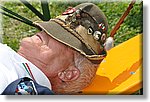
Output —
<point x="70" y="74"/>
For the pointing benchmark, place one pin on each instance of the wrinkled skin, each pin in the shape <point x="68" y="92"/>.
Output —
<point x="49" y="55"/>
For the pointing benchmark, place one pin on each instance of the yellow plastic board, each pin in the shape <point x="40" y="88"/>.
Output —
<point x="121" y="71"/>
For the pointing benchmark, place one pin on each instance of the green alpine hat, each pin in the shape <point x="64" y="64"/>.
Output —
<point x="83" y="28"/>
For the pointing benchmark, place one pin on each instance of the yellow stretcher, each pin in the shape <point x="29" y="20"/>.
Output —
<point x="121" y="71"/>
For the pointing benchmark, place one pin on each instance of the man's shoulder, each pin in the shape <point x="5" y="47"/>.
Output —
<point x="4" y="77"/>
<point x="4" y="46"/>
<point x="5" y="50"/>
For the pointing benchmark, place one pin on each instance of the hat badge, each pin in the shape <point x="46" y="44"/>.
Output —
<point x="70" y="10"/>
<point x="102" y="26"/>
<point x="97" y="35"/>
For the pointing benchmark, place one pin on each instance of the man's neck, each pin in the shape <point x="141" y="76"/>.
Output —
<point x="34" y="61"/>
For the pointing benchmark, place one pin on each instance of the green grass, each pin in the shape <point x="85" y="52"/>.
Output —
<point x="14" y="30"/>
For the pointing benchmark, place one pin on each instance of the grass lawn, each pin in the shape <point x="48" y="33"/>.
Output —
<point x="14" y="30"/>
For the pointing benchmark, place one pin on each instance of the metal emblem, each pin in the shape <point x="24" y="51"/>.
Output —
<point x="103" y="37"/>
<point x="90" y="31"/>
<point x="70" y="10"/>
<point x="102" y="26"/>
<point x="97" y="35"/>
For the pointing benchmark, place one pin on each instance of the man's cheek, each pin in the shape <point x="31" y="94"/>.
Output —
<point x="46" y="54"/>
<point x="45" y="48"/>
<point x="25" y="42"/>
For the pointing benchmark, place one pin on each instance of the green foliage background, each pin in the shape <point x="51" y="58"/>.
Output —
<point x="14" y="30"/>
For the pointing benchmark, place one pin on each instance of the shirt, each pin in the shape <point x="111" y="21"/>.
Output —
<point x="13" y="67"/>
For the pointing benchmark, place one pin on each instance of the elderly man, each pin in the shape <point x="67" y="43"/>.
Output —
<point x="61" y="59"/>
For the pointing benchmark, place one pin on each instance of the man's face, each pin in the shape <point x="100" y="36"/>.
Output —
<point x="46" y="53"/>
<point x="57" y="61"/>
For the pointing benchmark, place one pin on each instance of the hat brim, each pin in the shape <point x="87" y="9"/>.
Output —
<point x="59" y="33"/>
